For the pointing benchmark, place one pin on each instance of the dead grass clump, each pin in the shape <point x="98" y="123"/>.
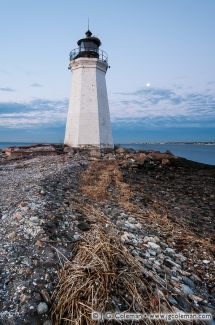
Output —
<point x="103" y="276"/>
<point x="94" y="182"/>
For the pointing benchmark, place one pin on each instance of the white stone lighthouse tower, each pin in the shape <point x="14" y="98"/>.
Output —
<point x="88" y="121"/>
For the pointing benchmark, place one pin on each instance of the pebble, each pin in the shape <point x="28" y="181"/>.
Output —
<point x="42" y="308"/>
<point x="46" y="296"/>
<point x="153" y="246"/>
<point x="172" y="300"/>
<point x="152" y="252"/>
<point x="186" y="289"/>
<point x="188" y="282"/>
<point x="169" y="251"/>
<point x="76" y="237"/>
<point x="206" y="261"/>
<point x="183" y="303"/>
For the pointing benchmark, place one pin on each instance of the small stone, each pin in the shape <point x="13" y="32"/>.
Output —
<point x="151" y="252"/>
<point x="169" y="251"/>
<point x="188" y="282"/>
<point x="172" y="300"/>
<point x="206" y="262"/>
<point x="163" y="245"/>
<point x="42" y="308"/>
<point x="76" y="237"/>
<point x="153" y="246"/>
<point x="4" y="216"/>
<point x="181" y="257"/>
<point x="196" y="298"/>
<point x="150" y="239"/>
<point x="131" y="220"/>
<point x="195" y="278"/>
<point x="186" y="289"/>
<point x="130" y="226"/>
<point x="161" y="256"/>
<point x="185" y="273"/>
<point x="23" y="298"/>
<point x="126" y="238"/>
<point x="119" y="223"/>
<point x="170" y="263"/>
<point x="12" y="235"/>
<point x="45" y="295"/>
<point x="146" y="254"/>
<point x="183" y="303"/>
<point x="27" y="261"/>
<point x="39" y="243"/>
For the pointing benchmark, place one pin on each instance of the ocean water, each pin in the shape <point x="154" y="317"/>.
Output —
<point x="13" y="144"/>
<point x="202" y="153"/>
<point x="196" y="152"/>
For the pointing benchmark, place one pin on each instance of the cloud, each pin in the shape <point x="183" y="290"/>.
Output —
<point x="33" y="114"/>
<point x="6" y="89"/>
<point x="36" y="85"/>
<point x="165" y="106"/>
<point x="149" y="108"/>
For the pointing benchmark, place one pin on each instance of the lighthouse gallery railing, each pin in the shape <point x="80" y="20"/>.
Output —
<point x="101" y="55"/>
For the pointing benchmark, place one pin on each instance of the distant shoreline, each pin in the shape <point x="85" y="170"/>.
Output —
<point x="120" y="144"/>
<point x="176" y="142"/>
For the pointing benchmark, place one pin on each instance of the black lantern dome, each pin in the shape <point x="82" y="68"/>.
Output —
<point x="88" y="47"/>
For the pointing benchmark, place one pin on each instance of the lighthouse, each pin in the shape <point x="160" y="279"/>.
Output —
<point x="88" y="120"/>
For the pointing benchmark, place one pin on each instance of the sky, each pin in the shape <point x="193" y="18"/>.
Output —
<point x="161" y="81"/>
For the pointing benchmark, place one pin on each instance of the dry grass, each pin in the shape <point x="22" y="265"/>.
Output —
<point x="103" y="276"/>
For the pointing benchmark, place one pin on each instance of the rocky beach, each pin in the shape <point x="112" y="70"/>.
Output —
<point x="123" y="230"/>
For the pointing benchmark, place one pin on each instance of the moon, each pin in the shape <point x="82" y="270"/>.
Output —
<point x="148" y="84"/>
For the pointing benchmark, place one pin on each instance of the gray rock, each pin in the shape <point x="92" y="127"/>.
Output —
<point x="163" y="245"/>
<point x="186" y="289"/>
<point x="151" y="252"/>
<point x="188" y="282"/>
<point x="146" y="254"/>
<point x="154" y="239"/>
<point x="183" y="303"/>
<point x="195" y="278"/>
<point x="27" y="261"/>
<point x="76" y="237"/>
<point x="169" y="251"/>
<point x="169" y="263"/>
<point x="172" y="300"/>
<point x="161" y="256"/>
<point x="153" y="246"/>
<point x="131" y="220"/>
<point x="42" y="308"/>
<point x="181" y="257"/>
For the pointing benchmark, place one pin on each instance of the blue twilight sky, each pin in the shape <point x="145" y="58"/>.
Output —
<point x="161" y="83"/>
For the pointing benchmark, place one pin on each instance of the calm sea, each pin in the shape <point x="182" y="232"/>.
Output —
<point x="196" y="152"/>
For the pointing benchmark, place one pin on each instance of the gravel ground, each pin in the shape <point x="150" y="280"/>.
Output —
<point x="162" y="207"/>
